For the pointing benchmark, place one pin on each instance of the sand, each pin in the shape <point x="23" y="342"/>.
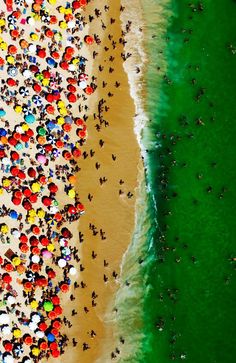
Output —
<point x="108" y="210"/>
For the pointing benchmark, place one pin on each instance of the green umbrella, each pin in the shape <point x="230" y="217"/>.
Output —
<point x="48" y="306"/>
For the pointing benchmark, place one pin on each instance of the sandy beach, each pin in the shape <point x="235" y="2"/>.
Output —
<point x="85" y="223"/>
<point x="109" y="211"/>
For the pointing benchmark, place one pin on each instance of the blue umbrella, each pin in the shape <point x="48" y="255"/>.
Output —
<point x="51" y="337"/>
<point x="51" y="62"/>
<point x="51" y="125"/>
<point x="2" y="112"/>
<point x="3" y="132"/>
<point x="13" y="214"/>
<point x="30" y="119"/>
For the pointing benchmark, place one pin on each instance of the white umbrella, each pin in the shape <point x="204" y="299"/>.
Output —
<point x="4" y="318"/>
<point x="71" y="24"/>
<point x="40" y="334"/>
<point x="72" y="67"/>
<point x="8" y="358"/>
<point x="6" y="330"/>
<point x="73" y="271"/>
<point x="11" y="299"/>
<point x="31" y="21"/>
<point x="33" y="326"/>
<point x="16" y="233"/>
<point x="62" y="262"/>
<point x="32" y="48"/>
<point x="83" y="84"/>
<point x="27" y="73"/>
<point x="35" y="318"/>
<point x="35" y="259"/>
<point x="6" y="161"/>
<point x="63" y="242"/>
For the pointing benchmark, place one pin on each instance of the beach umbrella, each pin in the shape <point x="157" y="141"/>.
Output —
<point x="13" y="214"/>
<point x="50" y="337"/>
<point x="89" y="39"/>
<point x="28" y="340"/>
<point x="83" y="84"/>
<point x="8" y="346"/>
<point x="58" y="310"/>
<point x="35" y="259"/>
<point x="17" y="333"/>
<point x="11" y="300"/>
<point x="4" y="318"/>
<point x="35" y="318"/>
<point x="64" y="288"/>
<point x="30" y="119"/>
<point x="24" y="91"/>
<point x="51" y="274"/>
<point x="43" y="345"/>
<point x="12" y="71"/>
<point x="73" y="271"/>
<point x="35" y="351"/>
<point x="48" y="306"/>
<point x="88" y="90"/>
<point x="6" y="278"/>
<point x="6" y="330"/>
<point x="7" y="358"/>
<point x="46" y="254"/>
<point x="39" y="334"/>
<point x="41" y="159"/>
<point x="43" y="326"/>
<point x="61" y="262"/>
<point x="55" y="353"/>
<point x="18" y="349"/>
<point x="37" y="100"/>
<point x="9" y="267"/>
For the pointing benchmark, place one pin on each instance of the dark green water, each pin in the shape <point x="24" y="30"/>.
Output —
<point x="192" y="173"/>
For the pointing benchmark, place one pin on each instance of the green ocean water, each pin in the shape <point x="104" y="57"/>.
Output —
<point x="189" y="307"/>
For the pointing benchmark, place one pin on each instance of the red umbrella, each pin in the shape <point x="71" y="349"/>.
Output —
<point x="89" y="90"/>
<point x="56" y="324"/>
<point x="24" y="247"/>
<point x="72" y="97"/>
<point x="52" y="315"/>
<point x="12" y="49"/>
<point x="35" y="229"/>
<point x="76" y="4"/>
<point x="55" y="300"/>
<point x="35" y="267"/>
<point x="43" y="345"/>
<point x="71" y="88"/>
<point x="64" y="65"/>
<point x="72" y="209"/>
<point x="42" y="53"/>
<point x="47" y="201"/>
<point x="37" y="88"/>
<point x="44" y="240"/>
<point x="23" y="238"/>
<point x="28" y="285"/>
<point x="66" y="127"/>
<point x="89" y="39"/>
<point x="43" y="326"/>
<point x="55" y="55"/>
<point x="71" y="80"/>
<point x="14" y="170"/>
<point x="55" y="353"/>
<point x="35" y="251"/>
<point x="34" y="241"/>
<point x="11" y="82"/>
<point x="9" y="267"/>
<point x="64" y="288"/>
<point x="28" y="340"/>
<point x="16" y="201"/>
<point x="21" y="175"/>
<point x="51" y="274"/>
<point x="31" y="172"/>
<point x="70" y="50"/>
<point x="58" y="309"/>
<point x="50" y="97"/>
<point x="27" y="192"/>
<point x="66" y="233"/>
<point x="67" y="155"/>
<point x="76" y="153"/>
<point x="55" y="332"/>
<point x="53" y="345"/>
<point x="14" y="155"/>
<point x="46" y="74"/>
<point x="6" y="278"/>
<point x="26" y="204"/>
<point x="33" y="198"/>
<point x="53" y="188"/>
<point x="12" y="141"/>
<point x="34" y="68"/>
<point x="8" y="346"/>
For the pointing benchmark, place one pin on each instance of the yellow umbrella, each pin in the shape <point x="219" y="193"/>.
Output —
<point x="17" y="333"/>
<point x="25" y="127"/>
<point x="71" y="193"/>
<point x="45" y="82"/>
<point x="41" y="213"/>
<point x="16" y="261"/>
<point x="32" y="213"/>
<point x="30" y="220"/>
<point x="36" y="187"/>
<point x="6" y="183"/>
<point x="34" y="304"/>
<point x="4" y="228"/>
<point x="1" y="191"/>
<point x="50" y="247"/>
<point x="2" y="22"/>
<point x="3" y="45"/>
<point x="10" y="59"/>
<point x="35" y="351"/>
<point x="18" y="109"/>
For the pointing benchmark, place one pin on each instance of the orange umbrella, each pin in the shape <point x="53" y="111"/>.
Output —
<point x="12" y="49"/>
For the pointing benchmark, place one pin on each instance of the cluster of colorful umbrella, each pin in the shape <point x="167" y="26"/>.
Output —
<point x="44" y="80"/>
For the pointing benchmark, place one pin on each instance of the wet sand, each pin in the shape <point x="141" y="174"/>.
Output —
<point x="108" y="210"/>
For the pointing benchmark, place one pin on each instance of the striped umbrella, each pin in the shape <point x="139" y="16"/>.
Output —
<point x="37" y="100"/>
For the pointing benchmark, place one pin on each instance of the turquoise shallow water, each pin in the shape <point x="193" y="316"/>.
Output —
<point x="189" y="309"/>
